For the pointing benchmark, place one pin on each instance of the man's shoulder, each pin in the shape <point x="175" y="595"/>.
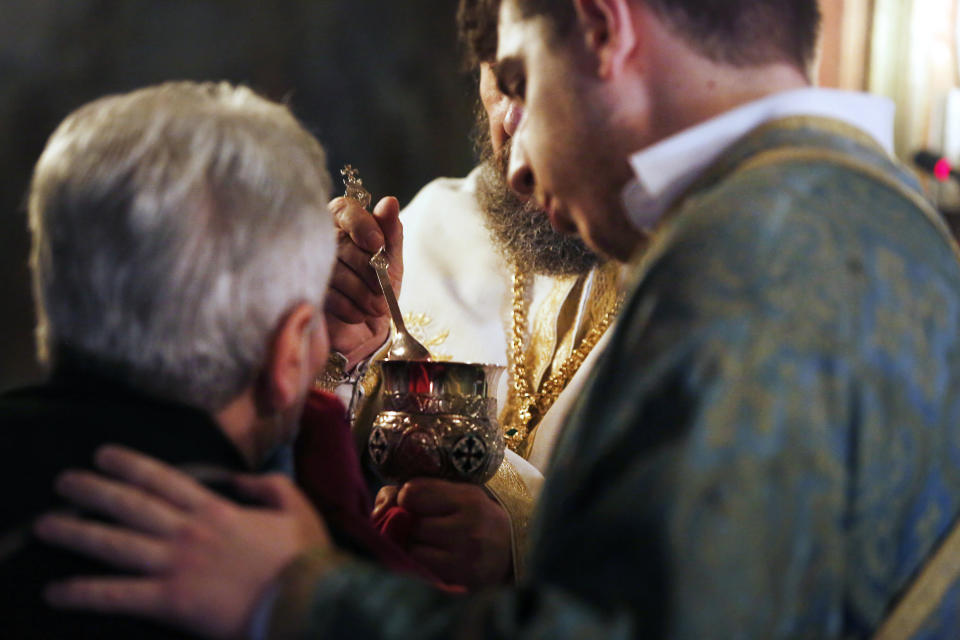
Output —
<point x="793" y="234"/>
<point x="33" y="424"/>
<point x="784" y="196"/>
<point x="45" y="429"/>
<point x="37" y="437"/>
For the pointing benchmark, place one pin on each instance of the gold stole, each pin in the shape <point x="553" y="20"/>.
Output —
<point x="555" y="349"/>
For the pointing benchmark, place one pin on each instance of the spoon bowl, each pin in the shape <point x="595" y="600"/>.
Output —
<point x="403" y="346"/>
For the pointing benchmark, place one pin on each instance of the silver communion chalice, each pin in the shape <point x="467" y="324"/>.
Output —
<point x="438" y="419"/>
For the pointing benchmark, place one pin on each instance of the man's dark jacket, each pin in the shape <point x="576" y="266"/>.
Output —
<point x="48" y="428"/>
<point x="59" y="425"/>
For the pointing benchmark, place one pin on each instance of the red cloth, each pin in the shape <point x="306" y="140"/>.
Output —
<point x="395" y="523"/>
<point x="327" y="468"/>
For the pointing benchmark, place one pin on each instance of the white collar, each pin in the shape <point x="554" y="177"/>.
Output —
<point x="666" y="168"/>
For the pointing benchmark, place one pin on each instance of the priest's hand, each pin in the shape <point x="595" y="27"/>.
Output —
<point x="357" y="315"/>
<point x="460" y="532"/>
<point x="205" y="560"/>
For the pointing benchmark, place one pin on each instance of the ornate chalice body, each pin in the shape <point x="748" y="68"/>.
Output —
<point x="439" y="419"/>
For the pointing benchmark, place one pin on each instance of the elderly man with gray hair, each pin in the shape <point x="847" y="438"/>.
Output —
<point x="181" y="252"/>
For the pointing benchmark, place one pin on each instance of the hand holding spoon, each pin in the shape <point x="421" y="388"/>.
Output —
<point x="403" y="346"/>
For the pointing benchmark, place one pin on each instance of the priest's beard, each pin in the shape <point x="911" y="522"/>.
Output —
<point x="520" y="229"/>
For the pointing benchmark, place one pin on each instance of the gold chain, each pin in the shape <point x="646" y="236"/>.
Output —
<point x="528" y="406"/>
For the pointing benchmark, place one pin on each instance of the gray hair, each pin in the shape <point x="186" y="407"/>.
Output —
<point x="173" y="229"/>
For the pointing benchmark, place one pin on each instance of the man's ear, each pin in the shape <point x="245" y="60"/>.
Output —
<point x="292" y="360"/>
<point x="609" y="33"/>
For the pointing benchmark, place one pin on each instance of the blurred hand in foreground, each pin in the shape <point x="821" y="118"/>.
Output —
<point x="459" y="532"/>
<point x="205" y="560"/>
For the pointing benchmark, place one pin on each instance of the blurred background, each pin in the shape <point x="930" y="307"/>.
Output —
<point x="378" y="81"/>
<point x="906" y="50"/>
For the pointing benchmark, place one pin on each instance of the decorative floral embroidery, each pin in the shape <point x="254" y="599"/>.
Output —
<point x="418" y="325"/>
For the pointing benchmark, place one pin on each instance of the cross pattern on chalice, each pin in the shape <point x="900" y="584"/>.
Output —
<point x="468" y="454"/>
<point x="378" y="446"/>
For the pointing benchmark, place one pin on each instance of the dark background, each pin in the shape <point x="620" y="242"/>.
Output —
<point x="377" y="81"/>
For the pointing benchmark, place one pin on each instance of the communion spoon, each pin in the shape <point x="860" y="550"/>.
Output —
<point x="403" y="346"/>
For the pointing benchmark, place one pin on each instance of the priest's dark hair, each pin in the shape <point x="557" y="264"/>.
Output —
<point x="477" y="30"/>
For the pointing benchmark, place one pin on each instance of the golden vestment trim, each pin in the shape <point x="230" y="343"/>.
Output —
<point x="525" y="406"/>
<point x="509" y="490"/>
<point x="551" y="325"/>
<point x="925" y="592"/>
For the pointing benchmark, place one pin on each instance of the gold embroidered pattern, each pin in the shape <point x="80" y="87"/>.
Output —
<point x="925" y="593"/>
<point x="510" y="491"/>
<point x="547" y="328"/>
<point x="418" y="325"/>
<point x="525" y="407"/>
